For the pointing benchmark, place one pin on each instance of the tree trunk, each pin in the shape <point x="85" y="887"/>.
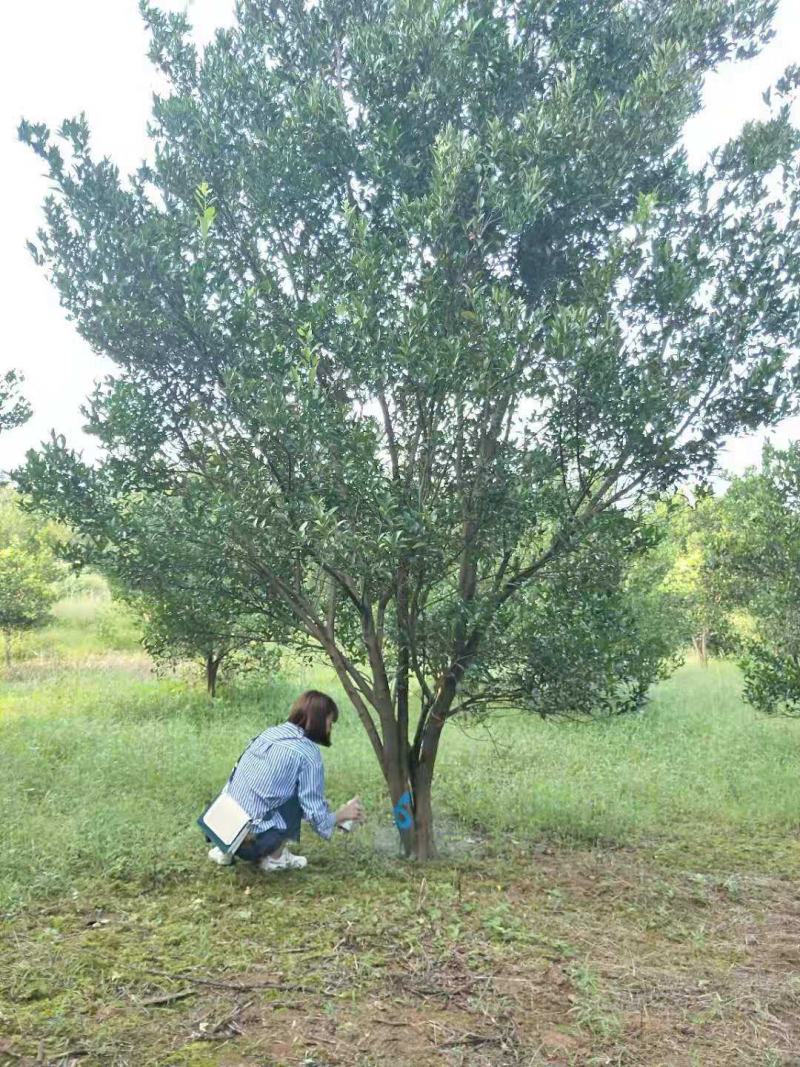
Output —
<point x="7" y="636"/>
<point x="407" y="769"/>
<point x="424" y="840"/>
<point x="403" y="813"/>
<point x="403" y="664"/>
<point x="700" y="642"/>
<point x="212" y="667"/>
<point x="412" y="810"/>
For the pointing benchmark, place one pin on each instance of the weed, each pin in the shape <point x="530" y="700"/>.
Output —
<point x="591" y="1010"/>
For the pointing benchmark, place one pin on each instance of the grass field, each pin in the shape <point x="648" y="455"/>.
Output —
<point x="611" y="893"/>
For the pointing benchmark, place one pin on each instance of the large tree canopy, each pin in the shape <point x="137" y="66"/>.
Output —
<point x="422" y="299"/>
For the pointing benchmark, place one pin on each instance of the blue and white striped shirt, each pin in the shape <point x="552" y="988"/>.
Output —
<point x="278" y="763"/>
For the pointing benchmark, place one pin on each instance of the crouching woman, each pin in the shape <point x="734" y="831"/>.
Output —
<point x="280" y="780"/>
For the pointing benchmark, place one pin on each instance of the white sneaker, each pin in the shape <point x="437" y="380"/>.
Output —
<point x="216" y="855"/>
<point x="286" y="862"/>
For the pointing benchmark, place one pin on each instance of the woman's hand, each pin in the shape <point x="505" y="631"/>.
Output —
<point x="352" y="811"/>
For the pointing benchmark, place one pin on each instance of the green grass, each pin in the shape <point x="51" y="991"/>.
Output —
<point x="695" y="762"/>
<point x="85" y="622"/>
<point x="115" y="767"/>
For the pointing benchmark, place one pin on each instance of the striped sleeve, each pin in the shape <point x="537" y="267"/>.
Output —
<point x="311" y="793"/>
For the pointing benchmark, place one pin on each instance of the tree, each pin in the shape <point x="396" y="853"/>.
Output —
<point x="28" y="571"/>
<point x="418" y="296"/>
<point x="178" y="627"/>
<point x="684" y="566"/>
<point x="592" y="634"/>
<point x="758" y="552"/>
<point x="184" y="593"/>
<point x="146" y="548"/>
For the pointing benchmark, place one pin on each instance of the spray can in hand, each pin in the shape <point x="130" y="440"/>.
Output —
<point x="347" y="825"/>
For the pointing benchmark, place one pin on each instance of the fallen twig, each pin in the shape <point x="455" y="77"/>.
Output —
<point x="227" y="1026"/>
<point x="232" y="986"/>
<point x="166" y="998"/>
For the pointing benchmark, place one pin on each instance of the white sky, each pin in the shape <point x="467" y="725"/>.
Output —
<point x="58" y="58"/>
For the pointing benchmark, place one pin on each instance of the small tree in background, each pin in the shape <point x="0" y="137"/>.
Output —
<point x="192" y="603"/>
<point x="596" y="632"/>
<point x="187" y="598"/>
<point x="758" y="552"/>
<point x="179" y="627"/>
<point x="414" y="302"/>
<point x="685" y="569"/>
<point x="28" y="570"/>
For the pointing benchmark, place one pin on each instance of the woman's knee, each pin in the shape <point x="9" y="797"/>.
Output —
<point x="256" y="846"/>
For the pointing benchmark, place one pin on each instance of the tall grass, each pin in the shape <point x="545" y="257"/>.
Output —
<point x="85" y="622"/>
<point x="697" y="756"/>
<point x="104" y="771"/>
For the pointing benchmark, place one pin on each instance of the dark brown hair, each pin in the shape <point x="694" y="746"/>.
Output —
<point x="310" y="712"/>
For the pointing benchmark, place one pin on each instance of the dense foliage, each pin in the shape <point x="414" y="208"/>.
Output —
<point x="191" y="603"/>
<point x="684" y="569"/>
<point x="758" y="556"/>
<point x="28" y="569"/>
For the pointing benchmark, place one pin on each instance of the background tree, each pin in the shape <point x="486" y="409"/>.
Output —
<point x="420" y="295"/>
<point x="28" y="570"/>
<point x="187" y="597"/>
<point x="592" y="635"/>
<point x="177" y="626"/>
<point x="685" y="569"/>
<point x="179" y="586"/>
<point x="758" y="549"/>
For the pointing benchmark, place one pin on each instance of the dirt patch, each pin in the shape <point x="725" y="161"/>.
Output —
<point x="577" y="1004"/>
<point x="453" y="839"/>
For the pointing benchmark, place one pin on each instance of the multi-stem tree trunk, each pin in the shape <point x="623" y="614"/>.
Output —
<point x="424" y="844"/>
<point x="701" y="646"/>
<point x="412" y="806"/>
<point x="407" y="767"/>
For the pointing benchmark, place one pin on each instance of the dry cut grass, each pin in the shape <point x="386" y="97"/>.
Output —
<point x="555" y="957"/>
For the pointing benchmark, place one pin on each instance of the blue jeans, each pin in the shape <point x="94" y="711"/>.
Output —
<point x="256" y="846"/>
